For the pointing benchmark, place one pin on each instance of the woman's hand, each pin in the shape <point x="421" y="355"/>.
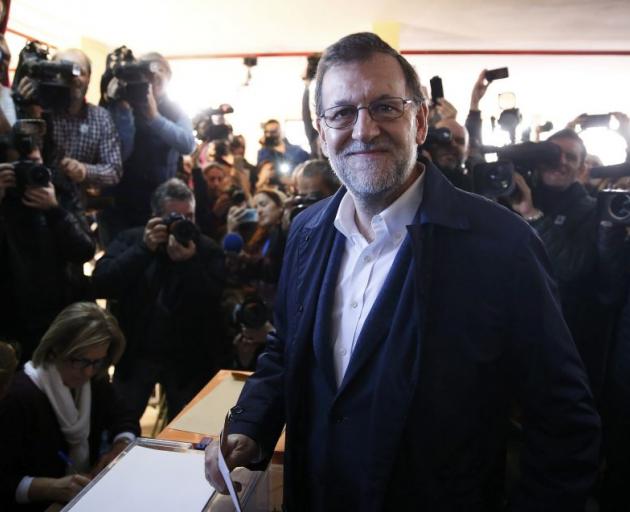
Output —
<point x="61" y="490"/>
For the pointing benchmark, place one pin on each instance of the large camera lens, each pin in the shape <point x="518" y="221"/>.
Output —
<point x="184" y="231"/>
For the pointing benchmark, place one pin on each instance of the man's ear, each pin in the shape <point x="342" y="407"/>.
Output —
<point x="422" y="123"/>
<point x="322" y="136"/>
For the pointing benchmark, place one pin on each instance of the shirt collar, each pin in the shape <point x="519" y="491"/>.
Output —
<point x="390" y="222"/>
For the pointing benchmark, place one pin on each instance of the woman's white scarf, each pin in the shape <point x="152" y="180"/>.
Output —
<point x="73" y="416"/>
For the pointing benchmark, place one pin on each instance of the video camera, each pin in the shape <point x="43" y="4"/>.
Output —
<point x="52" y="78"/>
<point x="210" y="124"/>
<point x="181" y="228"/>
<point x="25" y="136"/>
<point x="132" y="77"/>
<point x="495" y="179"/>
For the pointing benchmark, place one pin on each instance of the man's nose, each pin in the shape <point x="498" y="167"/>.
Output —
<point x="365" y="129"/>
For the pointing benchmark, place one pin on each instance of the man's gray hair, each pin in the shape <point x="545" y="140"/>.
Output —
<point x="171" y="190"/>
<point x="360" y="47"/>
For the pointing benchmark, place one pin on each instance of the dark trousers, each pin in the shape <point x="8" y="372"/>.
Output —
<point x="136" y="383"/>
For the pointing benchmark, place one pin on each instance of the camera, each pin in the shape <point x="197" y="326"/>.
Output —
<point x="237" y="195"/>
<point x="299" y="203"/>
<point x="132" y="77"/>
<point x="614" y="205"/>
<point x="312" y="62"/>
<point x="25" y="136"/>
<point x="441" y="136"/>
<point x="210" y="124"/>
<point x="252" y="313"/>
<point x="181" y="228"/>
<point x="52" y="78"/>
<point x="495" y="179"/>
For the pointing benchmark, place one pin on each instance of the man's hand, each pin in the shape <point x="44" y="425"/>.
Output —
<point x="155" y="233"/>
<point x="445" y="109"/>
<point x="76" y="171"/>
<point x="179" y="252"/>
<point x="27" y="89"/>
<point x="150" y="110"/>
<point x="624" y="125"/>
<point x="479" y="90"/>
<point x="40" y="198"/>
<point x="7" y="179"/>
<point x="240" y="451"/>
<point x="522" y="203"/>
<point x="577" y="121"/>
<point x="235" y="215"/>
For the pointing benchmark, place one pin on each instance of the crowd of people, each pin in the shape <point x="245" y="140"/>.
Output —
<point x="191" y="238"/>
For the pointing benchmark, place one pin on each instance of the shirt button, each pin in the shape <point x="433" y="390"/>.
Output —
<point x="342" y="351"/>
<point x="367" y="259"/>
<point x="354" y="305"/>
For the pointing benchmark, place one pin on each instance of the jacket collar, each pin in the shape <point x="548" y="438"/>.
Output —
<point x="440" y="203"/>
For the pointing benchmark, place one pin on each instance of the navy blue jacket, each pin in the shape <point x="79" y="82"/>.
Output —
<point x="469" y="324"/>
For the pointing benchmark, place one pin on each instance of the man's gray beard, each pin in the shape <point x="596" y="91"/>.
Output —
<point x="373" y="186"/>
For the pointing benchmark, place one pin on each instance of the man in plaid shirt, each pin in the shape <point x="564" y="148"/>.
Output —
<point x="84" y="134"/>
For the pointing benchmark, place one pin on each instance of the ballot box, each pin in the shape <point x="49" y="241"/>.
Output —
<point x="160" y="475"/>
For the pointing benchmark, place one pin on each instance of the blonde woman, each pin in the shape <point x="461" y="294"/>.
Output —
<point x="60" y="411"/>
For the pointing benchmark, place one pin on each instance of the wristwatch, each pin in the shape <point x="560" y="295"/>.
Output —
<point x="538" y="214"/>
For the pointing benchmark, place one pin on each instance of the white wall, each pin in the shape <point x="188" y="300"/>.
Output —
<point x="555" y="88"/>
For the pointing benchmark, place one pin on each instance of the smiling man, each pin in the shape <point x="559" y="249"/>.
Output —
<point x="410" y="316"/>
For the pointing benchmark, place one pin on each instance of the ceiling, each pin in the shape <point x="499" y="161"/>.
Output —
<point x="202" y="27"/>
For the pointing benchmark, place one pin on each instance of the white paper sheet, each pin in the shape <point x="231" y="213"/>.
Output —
<point x="149" y="479"/>
<point x="225" y="472"/>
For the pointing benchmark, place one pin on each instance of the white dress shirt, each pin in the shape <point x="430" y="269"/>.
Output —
<point x="364" y="267"/>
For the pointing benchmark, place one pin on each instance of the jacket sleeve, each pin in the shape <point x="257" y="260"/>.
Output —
<point x="72" y="235"/>
<point x="108" y="167"/>
<point x="115" y="415"/>
<point x="561" y="428"/>
<point x="126" y="128"/>
<point x="572" y="249"/>
<point x="177" y="135"/>
<point x="126" y="258"/>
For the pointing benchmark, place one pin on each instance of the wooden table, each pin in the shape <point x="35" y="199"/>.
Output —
<point x="172" y="434"/>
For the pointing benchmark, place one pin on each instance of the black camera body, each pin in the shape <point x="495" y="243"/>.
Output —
<point x="181" y="228"/>
<point x="614" y="205"/>
<point x="134" y="78"/>
<point x="207" y="128"/>
<point x="52" y="78"/>
<point x="25" y="136"/>
<point x="495" y="179"/>
<point x="299" y="203"/>
<point x="252" y="313"/>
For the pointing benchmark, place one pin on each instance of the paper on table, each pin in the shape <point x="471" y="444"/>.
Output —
<point x="206" y="416"/>
<point x="225" y="472"/>
<point x="151" y="479"/>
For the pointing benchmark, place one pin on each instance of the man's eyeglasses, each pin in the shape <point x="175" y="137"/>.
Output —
<point x="81" y="363"/>
<point x="344" y="116"/>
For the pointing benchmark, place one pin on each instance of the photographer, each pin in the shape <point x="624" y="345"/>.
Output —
<point x="168" y="281"/>
<point x="44" y="242"/>
<point x="565" y="217"/>
<point x="7" y="108"/>
<point x="278" y="149"/>
<point x="84" y="135"/>
<point x="212" y="199"/>
<point x="154" y="132"/>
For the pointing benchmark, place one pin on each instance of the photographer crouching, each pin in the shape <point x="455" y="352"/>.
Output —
<point x="168" y="281"/>
<point x="44" y="239"/>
